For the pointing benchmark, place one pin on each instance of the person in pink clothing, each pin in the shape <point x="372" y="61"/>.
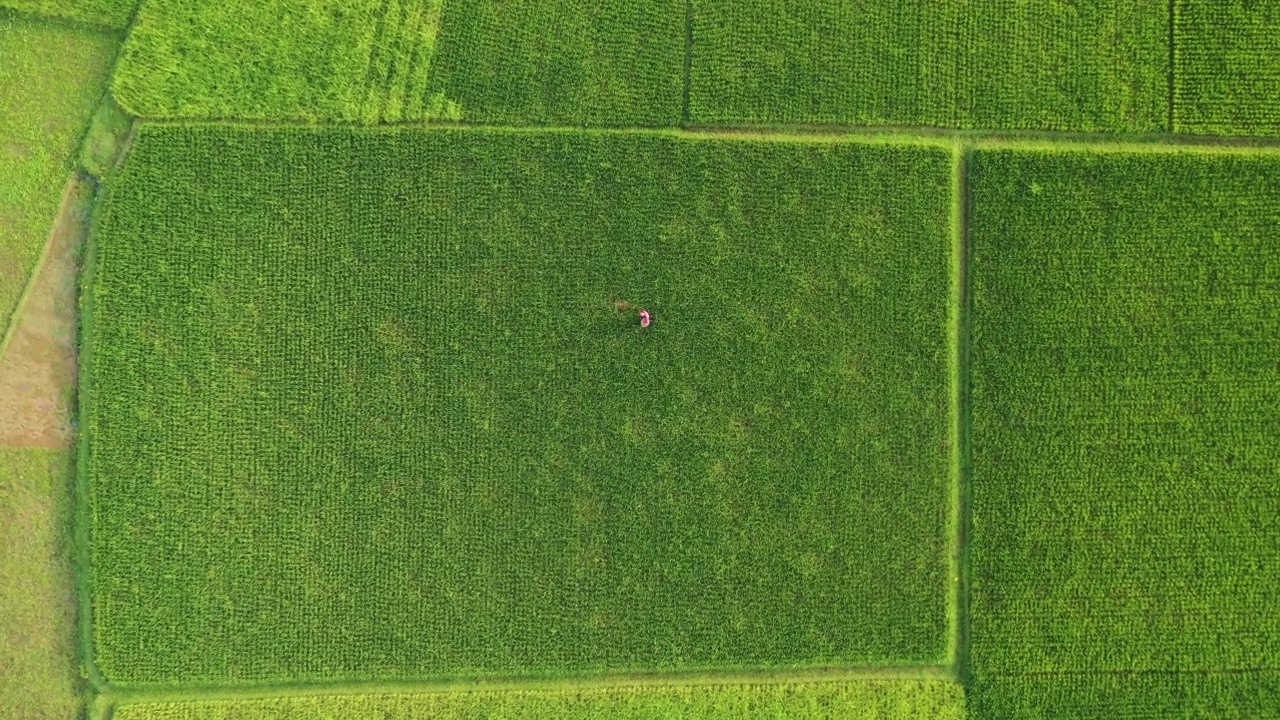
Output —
<point x="645" y="318"/>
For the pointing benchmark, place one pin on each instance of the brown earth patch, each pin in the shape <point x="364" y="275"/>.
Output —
<point x="38" y="369"/>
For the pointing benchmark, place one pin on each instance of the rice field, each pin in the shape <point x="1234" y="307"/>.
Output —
<point x="640" y="359"/>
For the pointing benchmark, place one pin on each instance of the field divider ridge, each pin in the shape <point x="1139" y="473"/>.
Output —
<point x="122" y="694"/>
<point x="979" y="139"/>
<point x="961" y="490"/>
<point x="83" y="512"/>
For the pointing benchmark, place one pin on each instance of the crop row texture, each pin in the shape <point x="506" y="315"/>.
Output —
<point x="386" y="61"/>
<point x="1009" y="64"/>
<point x="1126" y="400"/>
<point x="851" y="700"/>
<point x="1253" y="695"/>
<point x="350" y="60"/>
<point x="563" y="62"/>
<point x="113" y="14"/>
<point x="363" y="405"/>
<point x="1227" y="67"/>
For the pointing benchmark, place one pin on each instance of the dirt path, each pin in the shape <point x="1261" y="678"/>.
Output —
<point x="38" y="369"/>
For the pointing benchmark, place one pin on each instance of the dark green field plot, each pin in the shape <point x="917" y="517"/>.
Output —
<point x="1055" y="65"/>
<point x="1126" y="412"/>
<point x="1228" y="67"/>
<point x="362" y="405"/>
<point x="566" y="62"/>
<point x="563" y="62"/>
<point x="1228" y="695"/>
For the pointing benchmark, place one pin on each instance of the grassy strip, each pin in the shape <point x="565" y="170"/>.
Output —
<point x="550" y="684"/>
<point x="883" y="700"/>
<point x="37" y="646"/>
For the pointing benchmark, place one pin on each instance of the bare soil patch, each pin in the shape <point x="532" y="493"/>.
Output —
<point x="38" y="369"/>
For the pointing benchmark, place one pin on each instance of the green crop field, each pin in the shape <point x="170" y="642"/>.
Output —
<point x="337" y="60"/>
<point x="113" y="14"/>
<point x="640" y="359"/>
<point x="852" y="700"/>
<point x="407" y="433"/>
<point x="1053" y="65"/>
<point x="387" y="61"/>
<point x="1227" y="695"/>
<point x="50" y="80"/>
<point x="563" y="62"/>
<point x="1125" y="502"/>
<point x="1228" y="67"/>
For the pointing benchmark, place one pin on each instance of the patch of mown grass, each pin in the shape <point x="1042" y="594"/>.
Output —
<point x="848" y="700"/>
<point x="40" y="678"/>
<point x="363" y="405"/>
<point x="1126" y="401"/>
<point x="50" y="78"/>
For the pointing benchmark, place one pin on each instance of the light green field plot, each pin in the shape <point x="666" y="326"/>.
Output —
<point x="1227" y="67"/>
<point x="40" y="678"/>
<point x="565" y="62"/>
<point x="850" y="700"/>
<point x="405" y="431"/>
<point x="1054" y="65"/>
<point x="114" y="14"/>
<point x="1126" y="412"/>
<point x="51" y="77"/>
<point x="316" y="60"/>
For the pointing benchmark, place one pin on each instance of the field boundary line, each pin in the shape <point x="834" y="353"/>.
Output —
<point x="83" y="513"/>
<point x="127" y="695"/>
<point x="74" y="178"/>
<point x="1128" y="673"/>
<point x="983" y="139"/>
<point x="1173" y="62"/>
<point x="961" y="483"/>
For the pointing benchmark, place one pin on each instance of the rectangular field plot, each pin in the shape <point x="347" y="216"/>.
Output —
<point x="1230" y="695"/>
<point x="312" y="60"/>
<point x="849" y="700"/>
<point x="1126" y="412"/>
<point x="373" y="405"/>
<point x="1227" y="75"/>
<point x="566" y="62"/>
<point x="563" y="62"/>
<point x="1049" y="65"/>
